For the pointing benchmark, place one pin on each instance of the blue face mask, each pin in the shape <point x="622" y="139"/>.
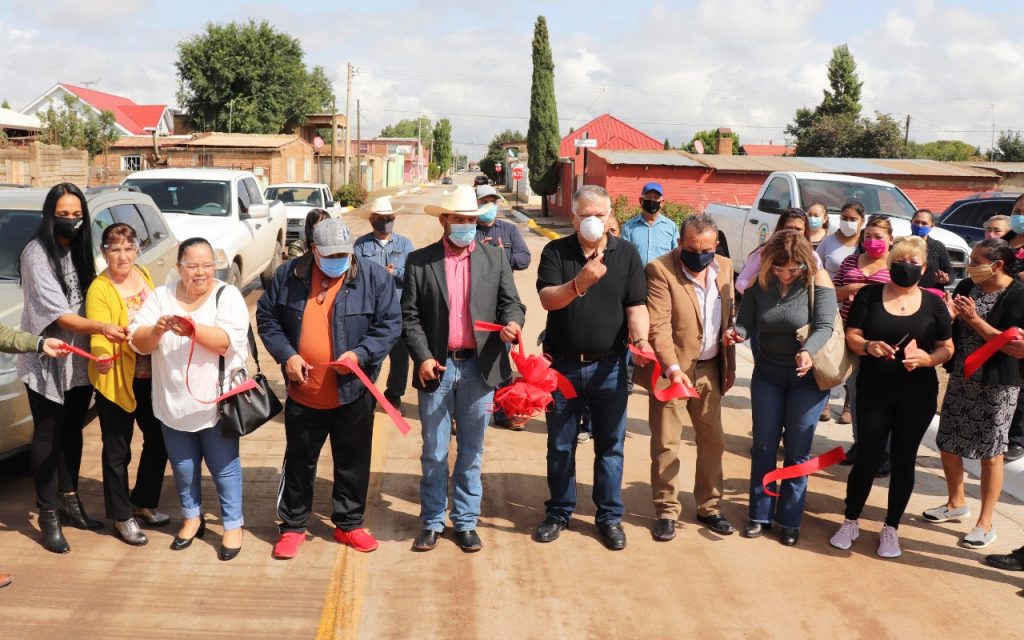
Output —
<point x="462" y="234"/>
<point x="334" y="267"/>
<point x="1017" y="222"/>
<point x="919" y="230"/>
<point x="489" y="214"/>
<point x="815" y="223"/>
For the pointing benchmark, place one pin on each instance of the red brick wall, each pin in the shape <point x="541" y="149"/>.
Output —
<point x="936" y="194"/>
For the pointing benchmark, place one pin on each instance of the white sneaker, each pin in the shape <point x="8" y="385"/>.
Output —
<point x="945" y="514"/>
<point x="583" y="437"/>
<point x="889" y="543"/>
<point x="843" y="539"/>
<point x="978" y="539"/>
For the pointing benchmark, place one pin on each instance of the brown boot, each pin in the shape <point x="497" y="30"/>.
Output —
<point x="846" y="417"/>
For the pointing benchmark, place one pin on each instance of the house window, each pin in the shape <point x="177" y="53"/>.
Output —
<point x="202" y="160"/>
<point x="290" y="170"/>
<point x="307" y="169"/>
<point x="131" y="163"/>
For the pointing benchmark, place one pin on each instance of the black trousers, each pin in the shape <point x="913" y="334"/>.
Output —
<point x="117" y="427"/>
<point x="1017" y="424"/>
<point x="57" y="443"/>
<point x="350" y="428"/>
<point x="398" y="376"/>
<point x="883" y="412"/>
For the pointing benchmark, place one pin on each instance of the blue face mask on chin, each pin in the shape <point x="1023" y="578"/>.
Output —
<point x="490" y="213"/>
<point x="334" y="267"/>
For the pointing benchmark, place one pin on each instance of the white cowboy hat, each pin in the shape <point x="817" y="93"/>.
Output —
<point x="380" y="206"/>
<point x="460" y="200"/>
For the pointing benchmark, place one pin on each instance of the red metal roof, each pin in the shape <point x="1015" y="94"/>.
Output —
<point x="768" y="150"/>
<point x="610" y="133"/>
<point x="133" y="117"/>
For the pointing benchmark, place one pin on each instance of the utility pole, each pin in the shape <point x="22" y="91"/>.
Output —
<point x="419" y="149"/>
<point x="992" y="147"/>
<point x="348" y="119"/>
<point x="906" y="134"/>
<point x="359" y="142"/>
<point x="334" y="142"/>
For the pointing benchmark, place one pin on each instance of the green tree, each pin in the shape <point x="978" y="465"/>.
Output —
<point x="100" y="133"/>
<point x="542" y="138"/>
<point x="247" y="78"/>
<point x="70" y="130"/>
<point x="667" y="145"/>
<point x="5" y="105"/>
<point x="496" y="154"/>
<point x="944" y="150"/>
<point x="844" y="99"/>
<point x="709" y="138"/>
<point x="1009" y="147"/>
<point x="443" y="145"/>
<point x="409" y="129"/>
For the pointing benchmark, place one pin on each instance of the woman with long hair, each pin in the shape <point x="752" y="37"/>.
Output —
<point x="792" y="219"/>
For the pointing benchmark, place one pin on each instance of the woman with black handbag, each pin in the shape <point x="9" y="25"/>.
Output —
<point x="189" y="326"/>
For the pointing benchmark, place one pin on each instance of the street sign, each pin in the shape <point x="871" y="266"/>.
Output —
<point x="517" y="173"/>
<point x="699" y="146"/>
<point x="497" y="167"/>
<point x="585" y="142"/>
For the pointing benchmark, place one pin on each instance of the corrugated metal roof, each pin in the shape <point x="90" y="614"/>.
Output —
<point x="133" y="142"/>
<point x="663" y="158"/>
<point x="999" y="167"/>
<point x="610" y="133"/>
<point x="248" y="140"/>
<point x="11" y="119"/>
<point x="859" y="166"/>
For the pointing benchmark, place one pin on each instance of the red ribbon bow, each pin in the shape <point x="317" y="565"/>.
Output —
<point x="677" y="390"/>
<point x="530" y="393"/>
<point x="981" y="355"/>
<point x="813" y="465"/>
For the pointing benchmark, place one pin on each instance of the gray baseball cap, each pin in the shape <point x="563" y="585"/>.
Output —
<point x="332" y="236"/>
<point x="485" y="190"/>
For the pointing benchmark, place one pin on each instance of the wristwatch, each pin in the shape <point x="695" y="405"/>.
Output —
<point x="39" y="345"/>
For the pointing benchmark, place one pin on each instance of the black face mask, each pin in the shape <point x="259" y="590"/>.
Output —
<point x="696" y="261"/>
<point x="905" y="274"/>
<point x="67" y="228"/>
<point x="650" y="206"/>
<point x="382" y="226"/>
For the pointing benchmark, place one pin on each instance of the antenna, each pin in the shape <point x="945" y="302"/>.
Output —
<point x="88" y="83"/>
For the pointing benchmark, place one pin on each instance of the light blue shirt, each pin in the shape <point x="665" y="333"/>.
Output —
<point x="651" y="240"/>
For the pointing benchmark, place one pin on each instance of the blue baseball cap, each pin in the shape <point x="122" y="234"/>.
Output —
<point x="653" y="186"/>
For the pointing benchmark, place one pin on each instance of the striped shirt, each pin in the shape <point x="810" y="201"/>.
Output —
<point x="849" y="273"/>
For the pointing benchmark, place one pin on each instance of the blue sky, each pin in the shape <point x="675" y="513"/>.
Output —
<point x="669" y="68"/>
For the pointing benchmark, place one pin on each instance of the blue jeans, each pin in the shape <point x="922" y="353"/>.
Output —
<point x="601" y="388"/>
<point x="186" y="451"/>
<point x="462" y="395"/>
<point x="786" y="409"/>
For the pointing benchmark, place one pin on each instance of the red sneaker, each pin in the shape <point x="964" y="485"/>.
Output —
<point x="359" y="539"/>
<point x="288" y="544"/>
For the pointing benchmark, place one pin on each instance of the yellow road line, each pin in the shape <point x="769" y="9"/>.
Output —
<point x="547" y="233"/>
<point x="343" y="601"/>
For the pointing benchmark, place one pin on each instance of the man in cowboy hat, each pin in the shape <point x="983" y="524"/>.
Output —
<point x="499" y="233"/>
<point x="389" y="250"/>
<point x="448" y="285"/>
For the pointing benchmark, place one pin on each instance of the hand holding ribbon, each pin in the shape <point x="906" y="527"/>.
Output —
<point x="349" y="362"/>
<point x="676" y="390"/>
<point x="85" y="354"/>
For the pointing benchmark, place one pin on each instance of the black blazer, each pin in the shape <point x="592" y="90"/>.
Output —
<point x="492" y="298"/>
<point x="1007" y="312"/>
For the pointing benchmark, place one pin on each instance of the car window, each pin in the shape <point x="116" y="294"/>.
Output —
<point x="100" y="220"/>
<point x="16" y="229"/>
<point x="244" y="199"/>
<point x="128" y="214"/>
<point x="961" y="214"/>
<point x="194" y="197"/>
<point x="253" y="189"/>
<point x="987" y="209"/>
<point x="778" y="190"/>
<point x="154" y="221"/>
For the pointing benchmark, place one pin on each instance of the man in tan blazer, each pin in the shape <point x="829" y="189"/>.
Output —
<point x="690" y="299"/>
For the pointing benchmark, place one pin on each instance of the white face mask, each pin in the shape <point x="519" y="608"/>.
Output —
<point x="848" y="227"/>
<point x="591" y="228"/>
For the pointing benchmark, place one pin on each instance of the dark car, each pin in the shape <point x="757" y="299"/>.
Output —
<point x="479" y="180"/>
<point x="966" y="217"/>
<point x="446" y="180"/>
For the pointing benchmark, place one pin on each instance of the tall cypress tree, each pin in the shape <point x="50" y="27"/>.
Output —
<point x="542" y="139"/>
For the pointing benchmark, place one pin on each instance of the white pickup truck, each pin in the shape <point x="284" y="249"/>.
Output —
<point x="298" y="198"/>
<point x="225" y="207"/>
<point x="746" y="228"/>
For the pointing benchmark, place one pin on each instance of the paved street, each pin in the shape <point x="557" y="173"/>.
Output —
<point x="697" y="586"/>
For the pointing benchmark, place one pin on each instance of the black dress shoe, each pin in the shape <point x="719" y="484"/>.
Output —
<point x="1013" y="452"/>
<point x="549" y="530"/>
<point x="665" y="529"/>
<point x="613" y="536"/>
<point x="427" y="540"/>
<point x="72" y="512"/>
<point x="718" y="524"/>
<point x="755" y="529"/>
<point x="789" y="537"/>
<point x="851" y="455"/>
<point x="468" y="541"/>
<point x="184" y="543"/>
<point x="1013" y="561"/>
<point x="227" y="553"/>
<point x="151" y="517"/>
<point x="53" y="538"/>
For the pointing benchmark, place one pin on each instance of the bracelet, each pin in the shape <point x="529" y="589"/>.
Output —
<point x="867" y="344"/>
<point x="39" y="345"/>
<point x="576" y="288"/>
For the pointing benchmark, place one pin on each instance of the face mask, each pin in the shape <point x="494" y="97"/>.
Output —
<point x="591" y="228"/>
<point x="489" y="214"/>
<point x="696" y="261"/>
<point x="905" y="274"/>
<point x="650" y="206"/>
<point x="980" y="273"/>
<point x="462" y="234"/>
<point x="1017" y="222"/>
<point x="875" y="247"/>
<point x="849" y="227"/>
<point x="919" y="230"/>
<point x="815" y="223"/>
<point x="333" y="267"/>
<point x="68" y="228"/>
<point x="383" y="225"/>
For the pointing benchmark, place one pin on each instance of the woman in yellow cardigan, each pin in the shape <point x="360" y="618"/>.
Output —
<point x="125" y="390"/>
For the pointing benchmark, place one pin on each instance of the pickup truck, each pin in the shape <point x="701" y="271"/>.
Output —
<point x="747" y="228"/>
<point x="298" y="198"/>
<point x="225" y="207"/>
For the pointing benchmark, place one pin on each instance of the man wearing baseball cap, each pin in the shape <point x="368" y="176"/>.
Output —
<point x="322" y="307"/>
<point x="499" y="233"/>
<point x="651" y="233"/>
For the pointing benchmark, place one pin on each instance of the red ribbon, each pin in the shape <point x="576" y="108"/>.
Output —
<point x="389" y="409"/>
<point x="813" y="465"/>
<point x="85" y="354"/>
<point x="530" y="393"/>
<point x="981" y="355"/>
<point x="248" y="385"/>
<point x="677" y="390"/>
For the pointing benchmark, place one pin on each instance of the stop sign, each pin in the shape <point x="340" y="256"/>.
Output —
<point x="517" y="173"/>
<point x="497" y="167"/>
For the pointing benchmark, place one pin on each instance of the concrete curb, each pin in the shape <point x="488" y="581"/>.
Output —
<point x="533" y="226"/>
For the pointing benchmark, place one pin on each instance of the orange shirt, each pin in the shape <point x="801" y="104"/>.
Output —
<point x="315" y="345"/>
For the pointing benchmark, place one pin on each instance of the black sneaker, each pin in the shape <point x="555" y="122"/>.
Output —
<point x="1013" y="452"/>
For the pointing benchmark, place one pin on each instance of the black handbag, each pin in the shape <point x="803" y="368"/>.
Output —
<point x="245" y="412"/>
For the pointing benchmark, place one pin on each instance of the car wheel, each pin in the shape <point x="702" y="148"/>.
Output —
<point x="268" y="274"/>
<point x="236" y="276"/>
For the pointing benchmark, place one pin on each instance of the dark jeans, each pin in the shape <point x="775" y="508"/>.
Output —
<point x="350" y="428"/>
<point x="398" y="376"/>
<point x="57" y="443"/>
<point x="902" y="414"/>
<point x="1017" y="424"/>
<point x="601" y="388"/>
<point x="117" y="427"/>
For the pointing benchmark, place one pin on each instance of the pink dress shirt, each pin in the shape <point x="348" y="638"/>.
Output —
<point x="460" y="322"/>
